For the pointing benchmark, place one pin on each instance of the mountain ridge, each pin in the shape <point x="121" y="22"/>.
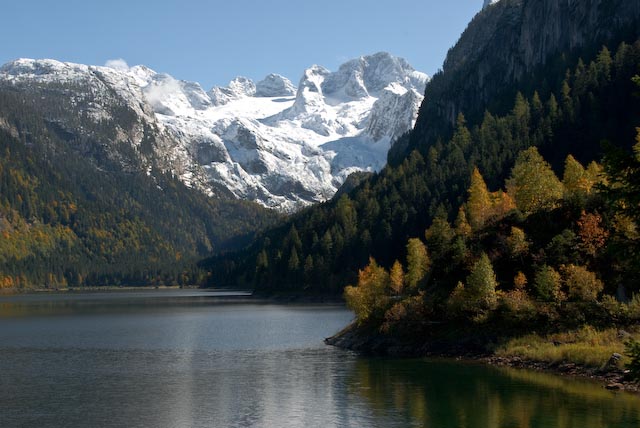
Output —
<point x="270" y="142"/>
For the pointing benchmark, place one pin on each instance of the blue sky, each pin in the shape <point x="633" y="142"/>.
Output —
<point x="213" y="41"/>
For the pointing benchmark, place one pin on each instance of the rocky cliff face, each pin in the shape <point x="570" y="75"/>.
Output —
<point x="516" y="37"/>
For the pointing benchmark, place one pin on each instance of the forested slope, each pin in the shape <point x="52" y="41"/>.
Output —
<point x="71" y="214"/>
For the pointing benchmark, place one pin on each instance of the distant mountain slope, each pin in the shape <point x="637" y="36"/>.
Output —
<point x="268" y="142"/>
<point x="75" y="211"/>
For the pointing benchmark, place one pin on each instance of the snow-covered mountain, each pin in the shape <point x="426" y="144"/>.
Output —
<point x="282" y="146"/>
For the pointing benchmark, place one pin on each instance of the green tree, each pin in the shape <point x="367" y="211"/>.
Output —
<point x="439" y="235"/>
<point x="533" y="184"/>
<point x="347" y="216"/>
<point x="482" y="283"/>
<point x="632" y="349"/>
<point x="462" y="136"/>
<point x="294" y="260"/>
<point x="517" y="242"/>
<point x="577" y="183"/>
<point x="581" y="283"/>
<point x="262" y="261"/>
<point x="547" y="284"/>
<point x="418" y="263"/>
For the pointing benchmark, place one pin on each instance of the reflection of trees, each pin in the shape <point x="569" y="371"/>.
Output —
<point x="441" y="394"/>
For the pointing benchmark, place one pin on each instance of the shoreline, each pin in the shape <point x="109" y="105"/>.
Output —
<point x="96" y="289"/>
<point x="230" y="294"/>
<point x="374" y="344"/>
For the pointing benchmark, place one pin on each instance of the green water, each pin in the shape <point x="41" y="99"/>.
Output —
<point x="193" y="359"/>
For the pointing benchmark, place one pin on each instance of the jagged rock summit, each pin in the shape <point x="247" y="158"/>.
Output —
<point x="270" y="142"/>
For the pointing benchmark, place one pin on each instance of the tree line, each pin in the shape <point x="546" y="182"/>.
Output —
<point x="539" y="251"/>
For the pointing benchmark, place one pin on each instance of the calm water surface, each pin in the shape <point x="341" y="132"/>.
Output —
<point x="194" y="359"/>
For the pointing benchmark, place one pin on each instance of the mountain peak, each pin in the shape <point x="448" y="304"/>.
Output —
<point x="370" y="74"/>
<point x="275" y="85"/>
<point x="240" y="87"/>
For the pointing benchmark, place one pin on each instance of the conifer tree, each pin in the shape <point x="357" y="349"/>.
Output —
<point x="463" y="229"/>
<point x="397" y="278"/>
<point x="294" y="260"/>
<point x="482" y="283"/>
<point x="439" y="235"/>
<point x="462" y="136"/>
<point x="418" y="263"/>
<point x="479" y="203"/>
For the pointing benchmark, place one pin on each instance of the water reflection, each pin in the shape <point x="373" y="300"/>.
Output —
<point x="449" y="394"/>
<point x="190" y="361"/>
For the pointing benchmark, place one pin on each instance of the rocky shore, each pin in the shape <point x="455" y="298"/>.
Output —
<point x="368" y="342"/>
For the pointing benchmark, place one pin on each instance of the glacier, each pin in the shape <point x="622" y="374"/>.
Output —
<point x="281" y="145"/>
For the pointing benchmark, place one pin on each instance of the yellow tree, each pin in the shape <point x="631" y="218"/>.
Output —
<point x="533" y="184"/>
<point x="577" y="183"/>
<point x="581" y="283"/>
<point x="463" y="229"/>
<point x="396" y="277"/>
<point x="479" y="204"/>
<point x="502" y="203"/>
<point x="369" y="297"/>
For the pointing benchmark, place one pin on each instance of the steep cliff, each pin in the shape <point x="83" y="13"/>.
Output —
<point x="509" y="43"/>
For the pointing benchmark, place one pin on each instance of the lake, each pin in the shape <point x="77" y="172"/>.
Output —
<point x="201" y="359"/>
